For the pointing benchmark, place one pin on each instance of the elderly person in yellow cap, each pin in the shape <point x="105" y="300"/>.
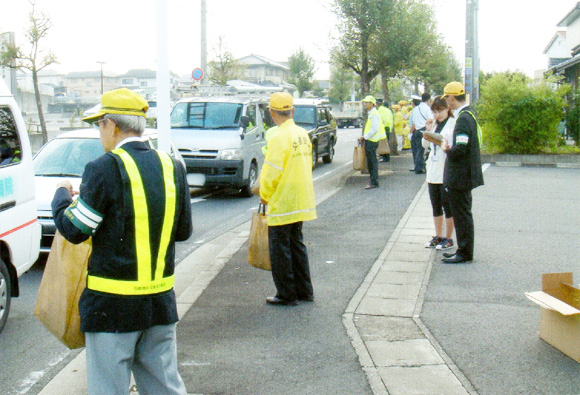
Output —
<point x="373" y="131"/>
<point x="134" y="203"/>
<point x="462" y="171"/>
<point x="287" y="188"/>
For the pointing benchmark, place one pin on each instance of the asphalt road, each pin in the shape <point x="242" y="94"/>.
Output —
<point x="232" y="342"/>
<point x="526" y="224"/>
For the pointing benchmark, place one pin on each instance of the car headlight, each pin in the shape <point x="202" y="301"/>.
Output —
<point x="231" y="154"/>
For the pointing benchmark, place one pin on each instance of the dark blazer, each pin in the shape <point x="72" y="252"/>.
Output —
<point x="463" y="164"/>
<point x="105" y="189"/>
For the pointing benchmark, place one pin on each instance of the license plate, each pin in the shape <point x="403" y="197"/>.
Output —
<point x="196" y="180"/>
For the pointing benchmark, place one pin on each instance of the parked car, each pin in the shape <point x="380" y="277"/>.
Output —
<point x="65" y="158"/>
<point x="221" y="139"/>
<point x="19" y="228"/>
<point x="315" y="116"/>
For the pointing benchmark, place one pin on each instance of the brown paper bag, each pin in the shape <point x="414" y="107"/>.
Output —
<point x="258" y="247"/>
<point x="63" y="282"/>
<point x="384" y="147"/>
<point x="359" y="159"/>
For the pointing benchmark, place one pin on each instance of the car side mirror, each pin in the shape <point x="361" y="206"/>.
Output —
<point x="245" y="121"/>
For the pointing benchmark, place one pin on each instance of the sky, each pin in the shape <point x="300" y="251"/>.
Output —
<point x="122" y="33"/>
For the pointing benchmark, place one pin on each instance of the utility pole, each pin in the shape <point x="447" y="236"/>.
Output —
<point x="204" y="41"/>
<point x="472" y="50"/>
<point x="102" y="85"/>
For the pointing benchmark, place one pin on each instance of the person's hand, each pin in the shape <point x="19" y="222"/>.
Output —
<point x="265" y="203"/>
<point x="66" y="184"/>
<point x="445" y="144"/>
<point x="429" y="124"/>
<point x="361" y="139"/>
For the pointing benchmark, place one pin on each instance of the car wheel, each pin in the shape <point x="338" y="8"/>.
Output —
<point x="252" y="177"/>
<point x="5" y="296"/>
<point x="314" y="155"/>
<point x="328" y="158"/>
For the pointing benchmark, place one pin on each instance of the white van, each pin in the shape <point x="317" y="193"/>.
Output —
<point x="221" y="139"/>
<point x="19" y="227"/>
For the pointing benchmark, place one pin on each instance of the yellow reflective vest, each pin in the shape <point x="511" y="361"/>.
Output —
<point x="286" y="178"/>
<point x="386" y="117"/>
<point x="379" y="134"/>
<point x="147" y="282"/>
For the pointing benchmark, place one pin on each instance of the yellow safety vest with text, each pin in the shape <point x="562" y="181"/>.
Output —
<point x="146" y="283"/>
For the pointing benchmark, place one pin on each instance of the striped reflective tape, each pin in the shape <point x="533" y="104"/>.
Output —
<point x="83" y="216"/>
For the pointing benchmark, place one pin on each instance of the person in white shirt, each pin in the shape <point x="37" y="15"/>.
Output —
<point x="443" y="124"/>
<point x="420" y="115"/>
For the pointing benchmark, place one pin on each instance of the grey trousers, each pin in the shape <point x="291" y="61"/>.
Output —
<point x="150" y="354"/>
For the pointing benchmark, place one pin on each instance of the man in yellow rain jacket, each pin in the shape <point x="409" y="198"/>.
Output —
<point x="287" y="188"/>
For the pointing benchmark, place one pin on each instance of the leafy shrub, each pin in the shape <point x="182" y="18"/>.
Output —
<point x="573" y="117"/>
<point x="519" y="116"/>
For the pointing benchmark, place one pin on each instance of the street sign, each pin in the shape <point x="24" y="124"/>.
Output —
<point x="197" y="74"/>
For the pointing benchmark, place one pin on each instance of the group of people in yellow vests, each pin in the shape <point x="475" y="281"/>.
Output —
<point x="402" y="112"/>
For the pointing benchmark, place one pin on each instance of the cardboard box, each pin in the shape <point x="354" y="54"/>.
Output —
<point x="559" y="301"/>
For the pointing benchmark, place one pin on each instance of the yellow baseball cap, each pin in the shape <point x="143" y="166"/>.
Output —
<point x="120" y="101"/>
<point x="453" y="89"/>
<point x="281" y="101"/>
<point x="370" y="99"/>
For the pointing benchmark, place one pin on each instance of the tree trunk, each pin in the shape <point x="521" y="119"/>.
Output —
<point x="39" y="106"/>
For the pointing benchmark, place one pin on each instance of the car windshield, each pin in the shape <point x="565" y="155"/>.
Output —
<point x="206" y="115"/>
<point x="66" y="157"/>
<point x="305" y="116"/>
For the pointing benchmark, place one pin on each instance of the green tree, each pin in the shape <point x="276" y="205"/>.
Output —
<point x="341" y="84"/>
<point x="358" y="23"/>
<point x="301" y="73"/>
<point x="224" y="67"/>
<point x="35" y="59"/>
<point x="519" y="116"/>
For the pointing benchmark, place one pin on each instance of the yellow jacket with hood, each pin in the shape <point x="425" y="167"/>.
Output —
<point x="286" y="178"/>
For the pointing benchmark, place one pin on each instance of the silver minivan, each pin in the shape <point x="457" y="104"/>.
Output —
<point x="221" y="139"/>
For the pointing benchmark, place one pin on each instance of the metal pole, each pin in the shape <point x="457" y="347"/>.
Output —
<point x="102" y="86"/>
<point x="472" y="50"/>
<point x="163" y="107"/>
<point x="204" y="41"/>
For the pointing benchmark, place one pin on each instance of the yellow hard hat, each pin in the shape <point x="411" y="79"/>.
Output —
<point x="120" y="101"/>
<point x="370" y="99"/>
<point x="453" y="89"/>
<point x="281" y="101"/>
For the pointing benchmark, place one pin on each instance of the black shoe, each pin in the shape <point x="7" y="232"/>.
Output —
<point x="448" y="254"/>
<point x="308" y="298"/>
<point x="457" y="258"/>
<point x="371" y="186"/>
<point x="276" y="300"/>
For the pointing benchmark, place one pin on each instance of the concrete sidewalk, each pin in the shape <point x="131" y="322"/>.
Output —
<point x="395" y="349"/>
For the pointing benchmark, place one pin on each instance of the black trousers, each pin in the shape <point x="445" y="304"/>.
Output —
<point x="418" y="151"/>
<point x="372" y="162"/>
<point x="460" y="200"/>
<point x="290" y="269"/>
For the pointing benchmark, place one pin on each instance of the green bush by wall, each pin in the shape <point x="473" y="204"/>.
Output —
<point x="519" y="116"/>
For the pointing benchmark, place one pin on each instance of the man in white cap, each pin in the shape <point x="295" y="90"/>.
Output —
<point x="421" y="113"/>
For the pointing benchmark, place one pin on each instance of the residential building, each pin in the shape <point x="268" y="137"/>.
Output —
<point x="87" y="84"/>
<point x="570" y="68"/>
<point x="259" y="69"/>
<point x="557" y="49"/>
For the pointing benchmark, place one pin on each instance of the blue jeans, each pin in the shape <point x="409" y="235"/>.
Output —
<point x="418" y="151"/>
